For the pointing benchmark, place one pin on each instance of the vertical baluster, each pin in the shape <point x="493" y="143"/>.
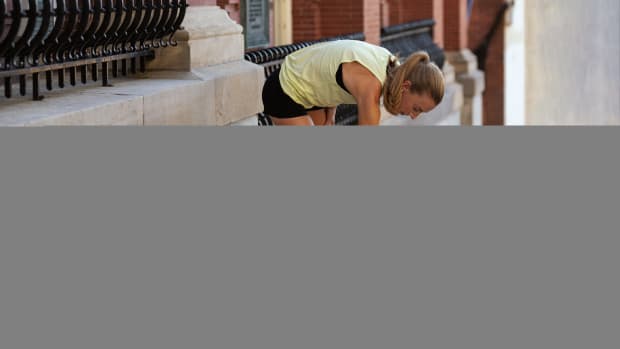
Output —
<point x="35" y="87"/>
<point x="101" y="35"/>
<point x="133" y="65"/>
<point x="142" y="64"/>
<point x="7" y="87"/>
<point x="167" y="18"/>
<point x="124" y="67"/>
<point x="22" y="85"/>
<point x="6" y="45"/>
<point x="36" y="45"/>
<point x="93" y="68"/>
<point x="2" y="15"/>
<point x="114" y="68"/>
<point x="177" y="25"/>
<point x="83" y="74"/>
<point x="48" y="80"/>
<point x="104" y="74"/>
<point x="62" y="51"/>
<point x="72" y="73"/>
<point x="61" y="78"/>
<point x="18" y="50"/>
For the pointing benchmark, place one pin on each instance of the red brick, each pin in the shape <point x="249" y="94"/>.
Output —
<point x="336" y="17"/>
<point x="455" y="24"/>
<point x="483" y="15"/>
<point x="402" y="11"/>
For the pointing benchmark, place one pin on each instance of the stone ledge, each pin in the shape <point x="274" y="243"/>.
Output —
<point x="251" y="121"/>
<point x="76" y="108"/>
<point x="238" y="88"/>
<point x="215" y="95"/>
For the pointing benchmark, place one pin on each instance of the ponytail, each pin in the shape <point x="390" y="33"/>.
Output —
<point x="424" y="75"/>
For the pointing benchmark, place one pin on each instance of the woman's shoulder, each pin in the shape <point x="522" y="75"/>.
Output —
<point x="360" y="79"/>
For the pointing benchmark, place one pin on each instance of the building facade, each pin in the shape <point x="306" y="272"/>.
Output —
<point x="309" y="20"/>
<point x="508" y="62"/>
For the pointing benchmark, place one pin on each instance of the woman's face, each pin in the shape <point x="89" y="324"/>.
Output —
<point x="413" y="104"/>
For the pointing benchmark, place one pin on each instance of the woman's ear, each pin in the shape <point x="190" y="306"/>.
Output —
<point x="406" y="85"/>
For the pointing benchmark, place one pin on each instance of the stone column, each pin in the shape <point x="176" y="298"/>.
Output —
<point x="283" y="22"/>
<point x="372" y="21"/>
<point x="464" y="61"/>
<point x="210" y="48"/>
<point x="572" y="70"/>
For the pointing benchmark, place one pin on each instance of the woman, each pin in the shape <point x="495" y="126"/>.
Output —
<point x="313" y="81"/>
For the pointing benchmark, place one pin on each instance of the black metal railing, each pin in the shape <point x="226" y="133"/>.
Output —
<point x="67" y="36"/>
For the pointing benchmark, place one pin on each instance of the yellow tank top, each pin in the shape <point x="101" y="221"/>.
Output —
<point x="308" y="75"/>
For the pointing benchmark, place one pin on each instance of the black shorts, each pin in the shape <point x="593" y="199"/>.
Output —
<point x="277" y="103"/>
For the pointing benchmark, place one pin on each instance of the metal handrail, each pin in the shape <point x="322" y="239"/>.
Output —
<point x="70" y="35"/>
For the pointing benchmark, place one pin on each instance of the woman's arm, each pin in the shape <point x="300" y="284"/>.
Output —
<point x="366" y="89"/>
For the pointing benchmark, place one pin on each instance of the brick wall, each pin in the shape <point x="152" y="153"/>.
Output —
<point x="316" y="19"/>
<point x="306" y="20"/>
<point x="455" y="24"/>
<point x="402" y="11"/>
<point x="341" y="17"/>
<point x="483" y="15"/>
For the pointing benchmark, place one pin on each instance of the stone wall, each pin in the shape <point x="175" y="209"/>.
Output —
<point x="514" y="66"/>
<point x="572" y="59"/>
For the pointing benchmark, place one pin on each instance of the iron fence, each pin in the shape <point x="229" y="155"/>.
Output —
<point x="67" y="36"/>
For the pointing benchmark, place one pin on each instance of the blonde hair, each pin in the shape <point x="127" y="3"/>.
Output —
<point x="425" y="77"/>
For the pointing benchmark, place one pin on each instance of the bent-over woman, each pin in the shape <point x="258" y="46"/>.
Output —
<point x="313" y="81"/>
